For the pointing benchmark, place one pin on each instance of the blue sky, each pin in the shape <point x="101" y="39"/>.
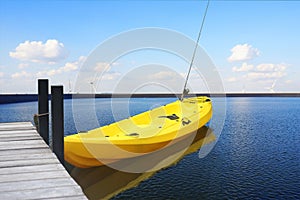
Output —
<point x="253" y="44"/>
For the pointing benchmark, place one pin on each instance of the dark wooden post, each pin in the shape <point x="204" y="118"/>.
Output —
<point x="43" y="109"/>
<point x="57" y="112"/>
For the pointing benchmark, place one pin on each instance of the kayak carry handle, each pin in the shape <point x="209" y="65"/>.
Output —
<point x="171" y="117"/>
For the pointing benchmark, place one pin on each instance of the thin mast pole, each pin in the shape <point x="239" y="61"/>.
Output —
<point x="194" y="53"/>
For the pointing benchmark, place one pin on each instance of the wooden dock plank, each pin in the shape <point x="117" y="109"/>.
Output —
<point x="22" y="144"/>
<point x="19" y="138"/>
<point x="32" y="133"/>
<point x="29" y="169"/>
<point x="16" y="126"/>
<point x="67" y="198"/>
<point x="21" y="132"/>
<point x="6" y="178"/>
<point x="20" y="163"/>
<point x="12" y="152"/>
<point x="12" y="124"/>
<point x="42" y="193"/>
<point x="27" y="157"/>
<point x="36" y="184"/>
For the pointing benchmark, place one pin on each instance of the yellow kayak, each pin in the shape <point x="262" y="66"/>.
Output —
<point x="138" y="135"/>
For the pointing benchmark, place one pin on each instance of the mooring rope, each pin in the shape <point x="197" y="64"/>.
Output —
<point x="36" y="120"/>
<point x="185" y="90"/>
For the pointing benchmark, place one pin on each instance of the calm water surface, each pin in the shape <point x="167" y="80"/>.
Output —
<point x="257" y="155"/>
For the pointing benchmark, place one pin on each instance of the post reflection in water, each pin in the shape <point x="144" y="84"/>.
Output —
<point x="104" y="182"/>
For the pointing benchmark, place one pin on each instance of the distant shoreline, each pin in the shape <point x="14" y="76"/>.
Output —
<point x="17" y="98"/>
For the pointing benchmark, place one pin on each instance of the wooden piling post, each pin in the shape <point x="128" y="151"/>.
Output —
<point x="43" y="109"/>
<point x="57" y="112"/>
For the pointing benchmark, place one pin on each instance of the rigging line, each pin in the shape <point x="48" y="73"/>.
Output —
<point x="194" y="53"/>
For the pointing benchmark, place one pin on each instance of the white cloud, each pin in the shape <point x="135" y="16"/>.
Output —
<point x="102" y="67"/>
<point x="23" y="65"/>
<point x="36" y="51"/>
<point x="110" y="76"/>
<point x="288" y="81"/>
<point x="242" y="52"/>
<point x="1" y="74"/>
<point x="22" y="74"/>
<point x="265" y="75"/>
<point x="69" y="66"/>
<point x="244" y="68"/>
<point x="262" y="71"/>
<point x="271" y="67"/>
<point x="164" y="75"/>
<point x="232" y="79"/>
<point x="105" y="69"/>
<point x="193" y="75"/>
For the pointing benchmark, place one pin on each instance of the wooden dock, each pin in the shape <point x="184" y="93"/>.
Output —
<point x="29" y="169"/>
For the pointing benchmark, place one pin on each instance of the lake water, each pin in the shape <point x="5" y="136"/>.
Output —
<point x="256" y="156"/>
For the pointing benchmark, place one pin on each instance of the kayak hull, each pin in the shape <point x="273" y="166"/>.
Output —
<point x="139" y="135"/>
